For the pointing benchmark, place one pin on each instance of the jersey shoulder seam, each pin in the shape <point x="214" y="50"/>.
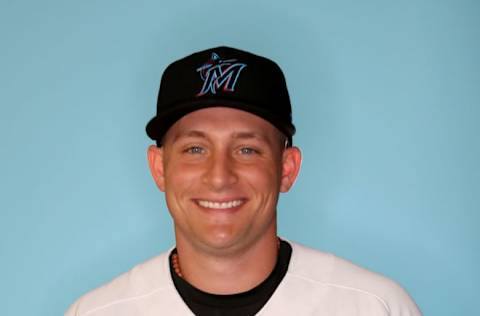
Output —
<point x="343" y="287"/>
<point x="124" y="300"/>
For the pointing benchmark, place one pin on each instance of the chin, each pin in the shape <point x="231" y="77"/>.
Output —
<point x="221" y="241"/>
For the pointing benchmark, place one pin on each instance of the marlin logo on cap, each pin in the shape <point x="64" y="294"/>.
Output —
<point x="218" y="73"/>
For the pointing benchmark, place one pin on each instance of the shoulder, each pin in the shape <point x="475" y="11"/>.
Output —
<point x="347" y="280"/>
<point x="143" y="281"/>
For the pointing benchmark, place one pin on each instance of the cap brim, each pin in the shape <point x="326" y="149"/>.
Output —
<point x="159" y="125"/>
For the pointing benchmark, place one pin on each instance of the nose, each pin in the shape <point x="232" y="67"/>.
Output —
<point x="220" y="173"/>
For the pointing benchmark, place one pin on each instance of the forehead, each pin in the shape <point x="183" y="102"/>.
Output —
<point x="222" y="122"/>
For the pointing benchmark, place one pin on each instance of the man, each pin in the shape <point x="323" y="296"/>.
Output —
<point x="224" y="152"/>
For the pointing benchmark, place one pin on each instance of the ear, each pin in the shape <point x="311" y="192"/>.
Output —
<point x="155" y="161"/>
<point x="292" y="159"/>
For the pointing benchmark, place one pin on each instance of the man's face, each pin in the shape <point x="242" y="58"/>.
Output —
<point x="222" y="170"/>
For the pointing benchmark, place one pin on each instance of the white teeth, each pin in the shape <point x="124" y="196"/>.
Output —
<point x="219" y="205"/>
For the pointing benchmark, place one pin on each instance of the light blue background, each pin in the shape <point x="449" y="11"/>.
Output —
<point x="386" y="99"/>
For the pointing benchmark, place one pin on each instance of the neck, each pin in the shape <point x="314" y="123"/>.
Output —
<point x="235" y="272"/>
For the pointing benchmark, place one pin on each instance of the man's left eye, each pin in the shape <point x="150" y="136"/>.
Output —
<point x="248" y="151"/>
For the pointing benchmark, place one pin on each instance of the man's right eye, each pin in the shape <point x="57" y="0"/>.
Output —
<point x="194" y="150"/>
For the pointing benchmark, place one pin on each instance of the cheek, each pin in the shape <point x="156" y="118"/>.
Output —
<point x="179" y="185"/>
<point x="262" y="178"/>
<point x="180" y="177"/>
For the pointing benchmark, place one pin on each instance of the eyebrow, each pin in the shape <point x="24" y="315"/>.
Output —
<point x="191" y="133"/>
<point x="248" y="135"/>
<point x="236" y="135"/>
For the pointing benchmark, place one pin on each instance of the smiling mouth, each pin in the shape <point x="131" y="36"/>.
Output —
<point x="220" y="205"/>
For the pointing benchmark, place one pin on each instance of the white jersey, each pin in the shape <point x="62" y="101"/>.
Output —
<point x="316" y="283"/>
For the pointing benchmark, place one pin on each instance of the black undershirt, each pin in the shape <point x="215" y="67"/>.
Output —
<point x="241" y="304"/>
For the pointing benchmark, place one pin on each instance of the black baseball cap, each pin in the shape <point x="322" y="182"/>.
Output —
<point x="226" y="77"/>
